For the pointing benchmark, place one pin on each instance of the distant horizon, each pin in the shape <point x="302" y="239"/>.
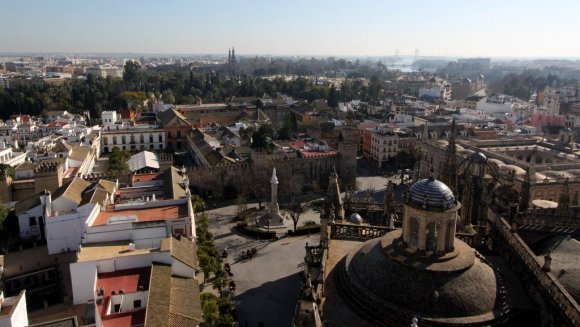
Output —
<point x="301" y="28"/>
<point x="248" y="55"/>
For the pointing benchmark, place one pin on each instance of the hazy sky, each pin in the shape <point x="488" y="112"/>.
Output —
<point x="504" y="28"/>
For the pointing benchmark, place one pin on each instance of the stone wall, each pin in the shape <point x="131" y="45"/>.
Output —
<point x="312" y="172"/>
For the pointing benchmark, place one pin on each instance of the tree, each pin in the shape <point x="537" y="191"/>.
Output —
<point x="260" y="137"/>
<point x="198" y="203"/>
<point x="332" y="97"/>
<point x="131" y="75"/>
<point x="210" y="309"/>
<point x="207" y="264"/>
<point x="242" y="204"/>
<point x="216" y="311"/>
<point x="296" y="209"/>
<point x="7" y="170"/>
<point x="168" y="97"/>
<point x="259" y="188"/>
<point x="118" y="161"/>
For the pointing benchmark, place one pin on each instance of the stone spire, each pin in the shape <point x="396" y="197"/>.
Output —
<point x="389" y="204"/>
<point x="525" y="195"/>
<point x="449" y="172"/>
<point x="333" y="195"/>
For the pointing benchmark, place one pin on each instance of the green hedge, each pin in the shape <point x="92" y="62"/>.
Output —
<point x="306" y="230"/>
<point x="255" y="232"/>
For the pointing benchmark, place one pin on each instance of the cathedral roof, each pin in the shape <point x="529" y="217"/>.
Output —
<point x="462" y="294"/>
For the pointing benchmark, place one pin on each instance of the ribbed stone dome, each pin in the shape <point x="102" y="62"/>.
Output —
<point x="435" y="194"/>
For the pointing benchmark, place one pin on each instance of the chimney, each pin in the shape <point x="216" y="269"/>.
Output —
<point x="47" y="203"/>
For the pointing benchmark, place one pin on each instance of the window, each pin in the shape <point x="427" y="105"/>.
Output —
<point x="150" y="138"/>
<point x="169" y="134"/>
<point x="117" y="308"/>
<point x="178" y="134"/>
<point x="136" y="304"/>
<point x="32" y="221"/>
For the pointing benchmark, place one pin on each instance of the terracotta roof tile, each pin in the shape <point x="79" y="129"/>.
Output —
<point x="73" y="190"/>
<point x="185" y="251"/>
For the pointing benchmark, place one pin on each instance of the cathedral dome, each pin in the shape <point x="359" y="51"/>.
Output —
<point x="462" y="290"/>
<point x="431" y="193"/>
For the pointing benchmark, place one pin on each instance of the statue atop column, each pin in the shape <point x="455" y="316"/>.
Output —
<point x="275" y="216"/>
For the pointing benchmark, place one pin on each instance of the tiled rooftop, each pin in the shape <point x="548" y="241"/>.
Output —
<point x="102" y="251"/>
<point x="127" y="280"/>
<point x="163" y="213"/>
<point x="146" y="177"/>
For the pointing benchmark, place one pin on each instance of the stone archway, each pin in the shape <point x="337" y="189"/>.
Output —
<point x="106" y="149"/>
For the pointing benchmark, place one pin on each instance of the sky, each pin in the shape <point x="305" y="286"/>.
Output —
<point x="454" y="28"/>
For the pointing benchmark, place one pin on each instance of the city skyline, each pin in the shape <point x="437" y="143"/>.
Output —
<point x="529" y="29"/>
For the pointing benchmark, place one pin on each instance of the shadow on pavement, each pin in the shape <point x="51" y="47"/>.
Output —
<point x="270" y="304"/>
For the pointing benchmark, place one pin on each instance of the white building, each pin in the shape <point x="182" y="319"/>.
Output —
<point x="433" y="92"/>
<point x="142" y="161"/>
<point x="110" y="118"/>
<point x="383" y="144"/>
<point x="132" y="138"/>
<point x="31" y="214"/>
<point x="66" y="224"/>
<point x="116" y="280"/>
<point x="146" y="224"/>
<point x="13" y="312"/>
<point x="10" y="157"/>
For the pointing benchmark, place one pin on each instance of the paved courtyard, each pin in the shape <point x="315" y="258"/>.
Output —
<point x="267" y="285"/>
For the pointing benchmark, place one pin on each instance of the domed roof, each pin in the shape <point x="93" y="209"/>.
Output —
<point x="477" y="157"/>
<point x="375" y="280"/>
<point x="355" y="218"/>
<point x="435" y="194"/>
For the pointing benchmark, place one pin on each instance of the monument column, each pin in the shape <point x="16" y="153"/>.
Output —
<point x="274" y="208"/>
